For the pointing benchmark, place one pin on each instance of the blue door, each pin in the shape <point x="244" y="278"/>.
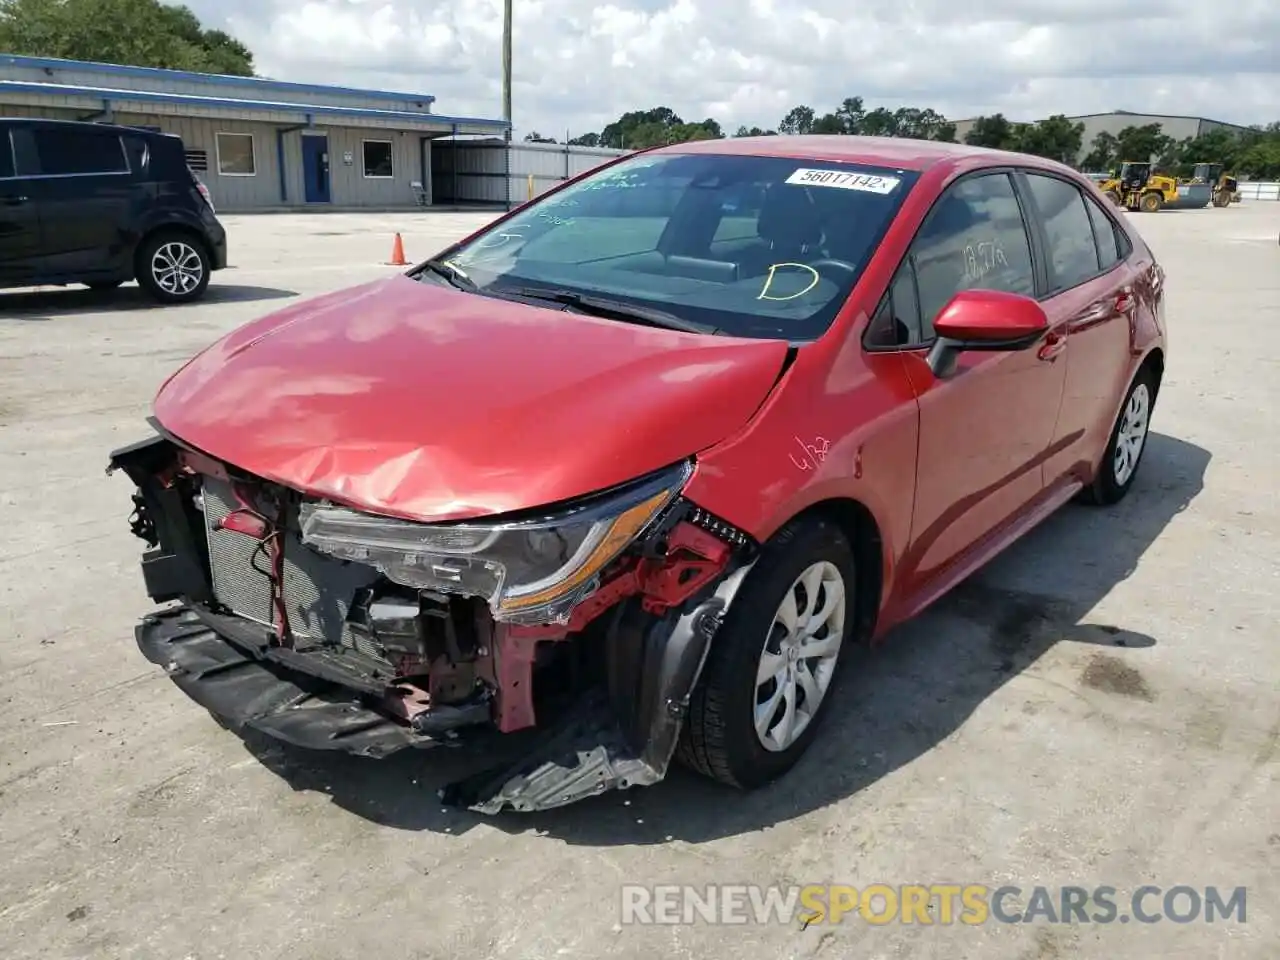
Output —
<point x="315" y="169"/>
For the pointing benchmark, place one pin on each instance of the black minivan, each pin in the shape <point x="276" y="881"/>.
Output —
<point x="100" y="204"/>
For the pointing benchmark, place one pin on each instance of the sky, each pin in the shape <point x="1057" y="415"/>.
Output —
<point x="579" y="64"/>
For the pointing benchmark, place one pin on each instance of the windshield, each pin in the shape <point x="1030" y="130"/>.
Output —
<point x="747" y="246"/>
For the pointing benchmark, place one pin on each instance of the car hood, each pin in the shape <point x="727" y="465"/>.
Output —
<point x="413" y="400"/>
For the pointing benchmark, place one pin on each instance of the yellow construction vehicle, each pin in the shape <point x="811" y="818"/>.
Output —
<point x="1226" y="189"/>
<point x="1135" y="187"/>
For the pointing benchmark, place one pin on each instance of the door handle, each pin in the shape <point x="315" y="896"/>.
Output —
<point x="1054" y="344"/>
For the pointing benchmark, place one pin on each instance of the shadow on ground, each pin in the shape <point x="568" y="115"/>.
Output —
<point x="895" y="702"/>
<point x="45" y="304"/>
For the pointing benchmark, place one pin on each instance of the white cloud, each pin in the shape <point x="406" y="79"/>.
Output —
<point x="579" y="64"/>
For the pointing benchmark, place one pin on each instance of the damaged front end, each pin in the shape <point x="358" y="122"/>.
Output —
<point x="330" y="628"/>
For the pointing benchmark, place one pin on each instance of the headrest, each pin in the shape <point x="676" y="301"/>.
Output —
<point x="789" y="218"/>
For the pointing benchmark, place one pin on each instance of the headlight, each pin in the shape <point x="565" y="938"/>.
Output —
<point x="529" y="571"/>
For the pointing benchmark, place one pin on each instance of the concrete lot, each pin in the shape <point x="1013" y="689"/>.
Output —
<point x="1102" y="706"/>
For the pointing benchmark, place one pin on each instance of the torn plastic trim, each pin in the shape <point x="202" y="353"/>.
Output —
<point x="245" y="692"/>
<point x="529" y="570"/>
<point x="616" y="739"/>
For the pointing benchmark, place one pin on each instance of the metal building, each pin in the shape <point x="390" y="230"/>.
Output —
<point x="257" y="144"/>
<point x="493" y="171"/>
<point x="1179" y="128"/>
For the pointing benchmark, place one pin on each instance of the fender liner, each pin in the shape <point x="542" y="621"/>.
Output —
<point x="623" y="736"/>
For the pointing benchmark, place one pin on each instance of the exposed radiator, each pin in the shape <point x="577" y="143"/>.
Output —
<point x="318" y="590"/>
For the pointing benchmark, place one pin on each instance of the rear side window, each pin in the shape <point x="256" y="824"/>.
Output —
<point x="1073" y="254"/>
<point x="6" y="154"/>
<point x="1105" y="234"/>
<point x="139" y="156"/>
<point x="72" y="150"/>
<point x="974" y="239"/>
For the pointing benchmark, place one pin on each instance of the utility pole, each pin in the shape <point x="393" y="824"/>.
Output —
<point x="506" y="65"/>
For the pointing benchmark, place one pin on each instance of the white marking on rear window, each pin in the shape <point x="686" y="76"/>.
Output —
<point x="844" y="180"/>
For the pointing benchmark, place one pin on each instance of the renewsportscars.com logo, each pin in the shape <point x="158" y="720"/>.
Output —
<point x="929" y="904"/>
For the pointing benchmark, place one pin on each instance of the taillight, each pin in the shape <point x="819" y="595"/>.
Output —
<point x="204" y="192"/>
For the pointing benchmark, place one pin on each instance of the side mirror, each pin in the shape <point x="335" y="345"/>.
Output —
<point x="984" y="320"/>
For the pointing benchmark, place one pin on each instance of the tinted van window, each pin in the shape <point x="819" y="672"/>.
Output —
<point x="752" y="246"/>
<point x="6" y="154"/>
<point x="974" y="238"/>
<point x="1073" y="255"/>
<point x="72" y="150"/>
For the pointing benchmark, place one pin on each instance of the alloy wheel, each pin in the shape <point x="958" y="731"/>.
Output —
<point x="177" y="267"/>
<point x="1132" y="434"/>
<point x="799" y="656"/>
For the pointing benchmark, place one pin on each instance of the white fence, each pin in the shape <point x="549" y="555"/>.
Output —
<point x="490" y="171"/>
<point x="1259" y="190"/>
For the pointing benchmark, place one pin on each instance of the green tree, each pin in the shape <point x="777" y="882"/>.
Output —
<point x="143" y="33"/>
<point x="639" y="129"/>
<point x="745" y="131"/>
<point x="1055" y="138"/>
<point x="1104" y="153"/>
<point x="799" y="120"/>
<point x="1143" y="143"/>
<point x="536" y="137"/>
<point x="994" y="131"/>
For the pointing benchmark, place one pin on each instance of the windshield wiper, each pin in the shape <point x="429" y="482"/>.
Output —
<point x="455" y="276"/>
<point x="612" y="309"/>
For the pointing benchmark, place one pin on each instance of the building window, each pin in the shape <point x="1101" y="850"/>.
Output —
<point x="377" y="160"/>
<point x="235" y="155"/>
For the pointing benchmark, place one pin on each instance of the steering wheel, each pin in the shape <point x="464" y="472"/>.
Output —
<point x="829" y="263"/>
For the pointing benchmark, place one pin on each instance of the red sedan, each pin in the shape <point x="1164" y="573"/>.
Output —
<point x="635" y="463"/>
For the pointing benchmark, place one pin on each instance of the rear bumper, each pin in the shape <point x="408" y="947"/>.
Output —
<point x="217" y="247"/>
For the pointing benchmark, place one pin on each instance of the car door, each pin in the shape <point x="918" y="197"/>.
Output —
<point x="80" y="180"/>
<point x="985" y="428"/>
<point x="19" y="219"/>
<point x="1091" y="297"/>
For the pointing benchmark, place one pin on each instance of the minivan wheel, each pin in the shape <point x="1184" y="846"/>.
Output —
<point x="773" y="663"/>
<point x="1119" y="466"/>
<point x="173" y="267"/>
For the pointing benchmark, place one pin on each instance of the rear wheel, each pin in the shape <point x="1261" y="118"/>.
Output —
<point x="1113" y="196"/>
<point x="1128" y="441"/>
<point x="1150" y="202"/>
<point x="173" y="267"/>
<point x="773" y="663"/>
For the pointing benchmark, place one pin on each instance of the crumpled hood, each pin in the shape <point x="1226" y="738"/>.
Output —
<point x="418" y="401"/>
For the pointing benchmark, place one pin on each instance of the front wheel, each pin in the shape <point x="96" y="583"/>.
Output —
<point x="773" y="662"/>
<point x="173" y="268"/>
<point x="1151" y="202"/>
<point x="1128" y="441"/>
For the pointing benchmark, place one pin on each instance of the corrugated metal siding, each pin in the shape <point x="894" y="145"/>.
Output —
<point x="348" y="186"/>
<point x="497" y="173"/>
<point x="1259" y="190"/>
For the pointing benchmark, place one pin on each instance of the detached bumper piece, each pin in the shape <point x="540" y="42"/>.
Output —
<point x="246" y="692"/>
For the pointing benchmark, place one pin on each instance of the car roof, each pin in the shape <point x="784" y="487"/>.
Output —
<point x="898" y="152"/>
<point x="114" y="127"/>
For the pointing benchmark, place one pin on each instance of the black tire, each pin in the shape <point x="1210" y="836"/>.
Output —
<point x="1151" y="202"/>
<point x="719" y="738"/>
<point x="1113" y="196"/>
<point x="103" y="284"/>
<point x="172" y="247"/>
<point x="1107" y="487"/>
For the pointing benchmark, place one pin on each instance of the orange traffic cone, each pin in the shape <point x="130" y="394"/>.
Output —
<point x="397" y="253"/>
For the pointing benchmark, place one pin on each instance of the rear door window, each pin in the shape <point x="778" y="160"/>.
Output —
<point x="975" y="238"/>
<point x="63" y="151"/>
<point x="1073" y="253"/>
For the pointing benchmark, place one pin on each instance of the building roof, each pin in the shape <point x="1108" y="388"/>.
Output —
<point x="212" y="79"/>
<point x="302" y="112"/>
